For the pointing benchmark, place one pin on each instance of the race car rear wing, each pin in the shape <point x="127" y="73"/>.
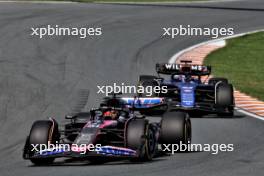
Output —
<point x="183" y="69"/>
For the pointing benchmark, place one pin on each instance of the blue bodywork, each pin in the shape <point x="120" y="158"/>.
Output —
<point x="103" y="150"/>
<point x="143" y="102"/>
<point x="118" y="151"/>
<point x="187" y="94"/>
<point x="187" y="90"/>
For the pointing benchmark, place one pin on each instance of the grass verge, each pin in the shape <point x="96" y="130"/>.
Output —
<point x="242" y="62"/>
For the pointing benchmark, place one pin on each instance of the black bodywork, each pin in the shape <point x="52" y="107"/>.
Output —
<point x="94" y="128"/>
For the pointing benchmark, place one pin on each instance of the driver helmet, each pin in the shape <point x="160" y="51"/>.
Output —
<point x="176" y="77"/>
<point x="113" y="114"/>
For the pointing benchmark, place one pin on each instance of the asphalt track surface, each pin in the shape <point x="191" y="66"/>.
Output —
<point x="40" y="78"/>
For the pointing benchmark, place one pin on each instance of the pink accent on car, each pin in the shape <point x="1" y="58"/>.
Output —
<point x="108" y="123"/>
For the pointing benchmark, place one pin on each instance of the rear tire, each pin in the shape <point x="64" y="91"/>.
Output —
<point x="224" y="95"/>
<point x="175" y="128"/>
<point x="42" y="132"/>
<point x="225" y="99"/>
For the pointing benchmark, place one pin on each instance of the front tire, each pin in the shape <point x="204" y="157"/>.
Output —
<point x="42" y="132"/>
<point x="141" y="138"/>
<point x="216" y="80"/>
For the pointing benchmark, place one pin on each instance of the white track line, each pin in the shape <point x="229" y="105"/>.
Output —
<point x="250" y="114"/>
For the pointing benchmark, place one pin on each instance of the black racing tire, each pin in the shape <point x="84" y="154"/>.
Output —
<point x="175" y="128"/>
<point x="139" y="137"/>
<point x="146" y="85"/>
<point x="41" y="132"/>
<point x="216" y="80"/>
<point x="224" y="95"/>
<point x="225" y="100"/>
<point x="147" y="77"/>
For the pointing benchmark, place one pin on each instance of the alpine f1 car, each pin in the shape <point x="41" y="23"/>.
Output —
<point x="187" y="91"/>
<point x="114" y="130"/>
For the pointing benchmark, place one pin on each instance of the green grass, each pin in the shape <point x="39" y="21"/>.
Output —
<point x="242" y="62"/>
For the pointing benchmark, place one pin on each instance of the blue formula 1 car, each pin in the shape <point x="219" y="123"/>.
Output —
<point x="114" y="130"/>
<point x="186" y="90"/>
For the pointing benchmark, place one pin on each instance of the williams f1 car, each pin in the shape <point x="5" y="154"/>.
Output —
<point x="114" y="130"/>
<point x="187" y="91"/>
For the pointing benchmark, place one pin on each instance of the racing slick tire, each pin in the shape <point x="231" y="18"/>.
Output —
<point x="140" y="137"/>
<point x="176" y="128"/>
<point x="216" y="80"/>
<point x="224" y="98"/>
<point x="42" y="132"/>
